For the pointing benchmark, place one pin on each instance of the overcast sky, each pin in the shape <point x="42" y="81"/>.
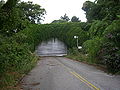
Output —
<point x="57" y="8"/>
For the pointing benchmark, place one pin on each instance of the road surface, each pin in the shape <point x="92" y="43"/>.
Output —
<point x="60" y="73"/>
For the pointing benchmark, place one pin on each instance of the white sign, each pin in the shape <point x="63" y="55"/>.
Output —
<point x="79" y="47"/>
<point x="75" y="37"/>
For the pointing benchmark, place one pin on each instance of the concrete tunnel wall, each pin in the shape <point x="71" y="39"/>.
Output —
<point x="52" y="47"/>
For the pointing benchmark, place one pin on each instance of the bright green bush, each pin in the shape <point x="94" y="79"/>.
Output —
<point x="97" y="28"/>
<point x="92" y="48"/>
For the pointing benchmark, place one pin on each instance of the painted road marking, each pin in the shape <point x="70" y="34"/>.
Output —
<point x="90" y="85"/>
<point x="81" y="80"/>
<point x="85" y="81"/>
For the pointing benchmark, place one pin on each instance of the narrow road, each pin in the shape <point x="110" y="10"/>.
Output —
<point x="60" y="73"/>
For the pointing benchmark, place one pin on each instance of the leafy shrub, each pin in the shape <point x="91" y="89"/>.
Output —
<point x="97" y="28"/>
<point x="112" y="32"/>
<point x="92" y="47"/>
<point x="110" y="51"/>
<point x="15" y="57"/>
<point x="111" y="57"/>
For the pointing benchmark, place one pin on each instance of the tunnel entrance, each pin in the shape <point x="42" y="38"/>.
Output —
<point x="52" y="47"/>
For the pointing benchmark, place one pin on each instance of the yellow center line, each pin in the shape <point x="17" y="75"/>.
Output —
<point x="81" y="78"/>
<point x="85" y="81"/>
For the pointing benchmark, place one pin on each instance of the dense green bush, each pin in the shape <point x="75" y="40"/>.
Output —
<point x="97" y="28"/>
<point x="112" y="32"/>
<point x="110" y="56"/>
<point x="15" y="57"/>
<point x="110" y="51"/>
<point x="103" y="46"/>
<point x="35" y="34"/>
<point x="92" y="47"/>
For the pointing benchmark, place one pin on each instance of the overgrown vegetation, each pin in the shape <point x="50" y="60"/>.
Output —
<point x="19" y="36"/>
<point x="100" y="43"/>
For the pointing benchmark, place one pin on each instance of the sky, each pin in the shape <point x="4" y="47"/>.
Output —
<point x="57" y="8"/>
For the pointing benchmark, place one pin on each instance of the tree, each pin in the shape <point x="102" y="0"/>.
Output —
<point x="102" y="9"/>
<point x="9" y="18"/>
<point x="32" y="12"/>
<point x="87" y="6"/>
<point x="65" y="18"/>
<point x="75" y="19"/>
<point x="9" y="5"/>
<point x="91" y="10"/>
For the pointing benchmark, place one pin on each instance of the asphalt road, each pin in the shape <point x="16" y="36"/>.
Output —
<point x="60" y="73"/>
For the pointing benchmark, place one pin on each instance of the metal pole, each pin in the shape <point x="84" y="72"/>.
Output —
<point x="76" y="37"/>
<point x="77" y="42"/>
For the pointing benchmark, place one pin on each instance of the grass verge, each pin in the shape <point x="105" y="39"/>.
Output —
<point x="10" y="80"/>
